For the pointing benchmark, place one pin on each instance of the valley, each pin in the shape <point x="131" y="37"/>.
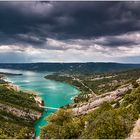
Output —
<point x="104" y="105"/>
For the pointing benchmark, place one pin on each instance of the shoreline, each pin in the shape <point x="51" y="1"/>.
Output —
<point x="10" y="85"/>
<point x="37" y="98"/>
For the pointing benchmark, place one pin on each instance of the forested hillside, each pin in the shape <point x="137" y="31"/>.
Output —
<point x="18" y="113"/>
<point x="111" y="112"/>
<point x="97" y="83"/>
<point x="90" y="67"/>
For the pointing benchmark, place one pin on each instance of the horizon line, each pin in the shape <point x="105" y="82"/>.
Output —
<point x="64" y="62"/>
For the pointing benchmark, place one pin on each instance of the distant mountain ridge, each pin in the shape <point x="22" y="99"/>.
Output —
<point x="70" y="67"/>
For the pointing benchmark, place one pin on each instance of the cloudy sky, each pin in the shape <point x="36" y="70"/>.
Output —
<point x="70" y="32"/>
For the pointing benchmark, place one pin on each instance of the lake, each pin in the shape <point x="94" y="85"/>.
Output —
<point x="54" y="94"/>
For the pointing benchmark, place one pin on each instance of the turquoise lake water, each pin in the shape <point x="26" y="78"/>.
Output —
<point x="54" y="94"/>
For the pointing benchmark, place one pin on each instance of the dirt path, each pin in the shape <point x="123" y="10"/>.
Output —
<point x="92" y="92"/>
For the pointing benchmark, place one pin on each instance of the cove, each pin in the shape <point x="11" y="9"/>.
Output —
<point x="54" y="94"/>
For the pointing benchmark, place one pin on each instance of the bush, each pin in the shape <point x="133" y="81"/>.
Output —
<point x="111" y="124"/>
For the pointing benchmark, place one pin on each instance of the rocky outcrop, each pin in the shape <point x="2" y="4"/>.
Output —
<point x="135" y="134"/>
<point x="26" y="114"/>
<point x="38" y="100"/>
<point x="138" y="81"/>
<point x="12" y="86"/>
<point x="95" y="102"/>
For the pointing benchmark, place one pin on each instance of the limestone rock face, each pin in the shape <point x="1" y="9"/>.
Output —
<point x="138" y="81"/>
<point x="95" y="102"/>
<point x="25" y="114"/>
<point x="135" y="134"/>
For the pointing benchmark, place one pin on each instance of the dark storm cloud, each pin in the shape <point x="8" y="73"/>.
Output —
<point x="115" y="42"/>
<point x="34" y="22"/>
